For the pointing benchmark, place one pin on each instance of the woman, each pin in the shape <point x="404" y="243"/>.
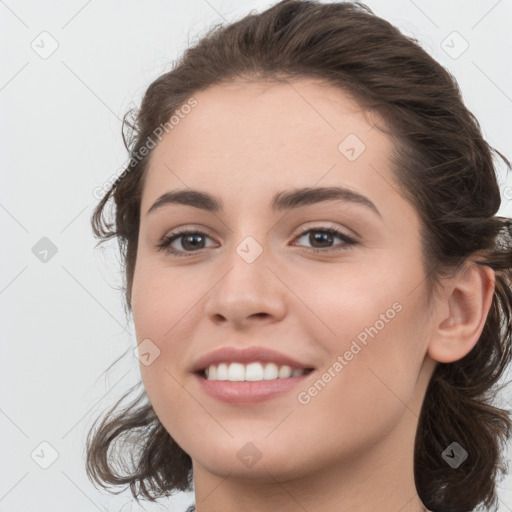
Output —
<point x="319" y="283"/>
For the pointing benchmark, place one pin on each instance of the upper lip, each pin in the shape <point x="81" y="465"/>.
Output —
<point x="246" y="355"/>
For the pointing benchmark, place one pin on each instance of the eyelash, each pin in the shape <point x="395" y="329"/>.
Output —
<point x="165" y="244"/>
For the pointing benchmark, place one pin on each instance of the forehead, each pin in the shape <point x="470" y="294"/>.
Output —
<point x="242" y="136"/>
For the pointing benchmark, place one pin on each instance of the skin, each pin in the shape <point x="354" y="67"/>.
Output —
<point x="351" y="446"/>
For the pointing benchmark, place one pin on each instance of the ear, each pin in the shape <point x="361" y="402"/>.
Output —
<point x="462" y="312"/>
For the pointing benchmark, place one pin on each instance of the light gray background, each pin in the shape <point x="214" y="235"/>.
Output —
<point x="62" y="320"/>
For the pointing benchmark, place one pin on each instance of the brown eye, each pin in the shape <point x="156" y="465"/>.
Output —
<point x="190" y="241"/>
<point x="321" y="239"/>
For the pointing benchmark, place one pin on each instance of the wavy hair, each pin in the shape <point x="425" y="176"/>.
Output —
<point x="444" y="167"/>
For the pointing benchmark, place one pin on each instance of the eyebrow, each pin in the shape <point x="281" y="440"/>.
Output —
<point x="285" y="200"/>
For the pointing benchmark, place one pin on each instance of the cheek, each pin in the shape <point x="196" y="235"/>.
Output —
<point x="163" y="299"/>
<point x="342" y="303"/>
<point x="160" y="319"/>
<point x="376" y="326"/>
<point x="361" y="393"/>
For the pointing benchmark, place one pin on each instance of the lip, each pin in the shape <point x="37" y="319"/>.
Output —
<point x="246" y="355"/>
<point x="248" y="392"/>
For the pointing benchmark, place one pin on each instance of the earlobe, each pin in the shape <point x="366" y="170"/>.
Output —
<point x="464" y="313"/>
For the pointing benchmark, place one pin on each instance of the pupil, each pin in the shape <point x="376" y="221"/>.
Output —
<point x="319" y="237"/>
<point x="193" y="245"/>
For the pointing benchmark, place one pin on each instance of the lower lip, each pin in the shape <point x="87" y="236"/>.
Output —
<point x="248" y="392"/>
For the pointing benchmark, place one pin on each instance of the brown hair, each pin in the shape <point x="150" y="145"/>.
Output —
<point x="444" y="167"/>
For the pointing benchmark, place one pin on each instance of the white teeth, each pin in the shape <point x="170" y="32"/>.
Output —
<point x="222" y="372"/>
<point x="254" y="372"/>
<point x="285" y="372"/>
<point x="271" y="372"/>
<point x="238" y="372"/>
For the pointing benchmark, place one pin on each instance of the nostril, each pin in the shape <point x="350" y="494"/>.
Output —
<point x="264" y="315"/>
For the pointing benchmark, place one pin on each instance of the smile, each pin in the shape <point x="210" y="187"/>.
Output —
<point x="246" y="391"/>
<point x="254" y="372"/>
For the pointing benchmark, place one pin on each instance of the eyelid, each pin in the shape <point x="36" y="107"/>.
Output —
<point x="299" y="231"/>
<point x="325" y="226"/>
<point x="348" y="241"/>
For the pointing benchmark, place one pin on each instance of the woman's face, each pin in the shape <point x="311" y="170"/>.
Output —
<point x="263" y="272"/>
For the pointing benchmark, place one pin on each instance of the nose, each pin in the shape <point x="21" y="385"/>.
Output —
<point x="247" y="293"/>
